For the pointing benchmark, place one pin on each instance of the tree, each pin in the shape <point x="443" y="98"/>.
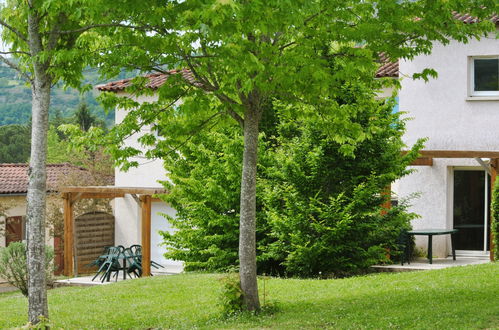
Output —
<point x="236" y="57"/>
<point x="85" y="119"/>
<point x="14" y="144"/>
<point x="49" y="39"/>
<point x="318" y="211"/>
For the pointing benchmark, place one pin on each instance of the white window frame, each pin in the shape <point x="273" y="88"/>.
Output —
<point x="471" y="85"/>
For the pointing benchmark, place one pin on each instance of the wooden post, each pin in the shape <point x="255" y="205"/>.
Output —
<point x="493" y="175"/>
<point x="146" y="234"/>
<point x="68" y="235"/>
<point x="387" y="196"/>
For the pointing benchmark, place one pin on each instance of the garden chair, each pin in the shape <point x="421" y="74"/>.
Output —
<point x="132" y="262"/>
<point x="404" y="244"/>
<point x="137" y="251"/>
<point x="100" y="259"/>
<point x="110" y="264"/>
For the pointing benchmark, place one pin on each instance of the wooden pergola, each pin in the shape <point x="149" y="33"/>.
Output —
<point x="491" y="167"/>
<point x="143" y="196"/>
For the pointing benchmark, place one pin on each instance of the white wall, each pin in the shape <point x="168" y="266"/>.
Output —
<point x="127" y="210"/>
<point x="441" y="112"/>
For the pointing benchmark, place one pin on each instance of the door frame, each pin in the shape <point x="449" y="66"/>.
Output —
<point x="488" y="187"/>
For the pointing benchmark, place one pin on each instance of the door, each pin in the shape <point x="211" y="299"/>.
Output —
<point x="471" y="208"/>
<point x="13" y="230"/>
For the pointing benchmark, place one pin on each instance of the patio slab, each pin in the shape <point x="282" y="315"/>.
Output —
<point x="87" y="279"/>
<point x="438" y="263"/>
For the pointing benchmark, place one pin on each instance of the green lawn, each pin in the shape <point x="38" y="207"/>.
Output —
<point x="457" y="298"/>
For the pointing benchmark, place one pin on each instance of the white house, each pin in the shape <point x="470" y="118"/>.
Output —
<point x="147" y="174"/>
<point x="458" y="111"/>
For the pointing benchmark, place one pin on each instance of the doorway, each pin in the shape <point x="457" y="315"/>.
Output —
<point x="471" y="211"/>
<point x="14" y="230"/>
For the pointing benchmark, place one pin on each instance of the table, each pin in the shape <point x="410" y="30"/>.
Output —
<point x="430" y="233"/>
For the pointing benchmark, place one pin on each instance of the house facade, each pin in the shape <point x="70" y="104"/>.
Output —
<point x="128" y="229"/>
<point x="458" y="111"/>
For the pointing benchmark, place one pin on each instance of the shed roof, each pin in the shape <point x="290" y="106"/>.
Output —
<point x="14" y="177"/>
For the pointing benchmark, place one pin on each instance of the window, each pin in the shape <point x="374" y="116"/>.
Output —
<point x="484" y="76"/>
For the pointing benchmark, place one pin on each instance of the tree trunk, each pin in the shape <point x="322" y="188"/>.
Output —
<point x="247" y="222"/>
<point x="36" y="206"/>
<point x="36" y="199"/>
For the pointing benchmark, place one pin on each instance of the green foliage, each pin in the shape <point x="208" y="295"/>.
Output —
<point x="324" y="208"/>
<point x="302" y="53"/>
<point x="14" y="269"/>
<point x="318" y="210"/>
<point x="85" y="119"/>
<point x="494" y="226"/>
<point x="231" y="295"/>
<point x="14" y="143"/>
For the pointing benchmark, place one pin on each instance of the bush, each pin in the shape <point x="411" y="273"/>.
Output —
<point x="495" y="220"/>
<point x="318" y="197"/>
<point x="14" y="269"/>
<point x="231" y="295"/>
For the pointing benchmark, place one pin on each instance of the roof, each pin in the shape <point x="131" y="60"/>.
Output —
<point x="466" y="18"/>
<point x="387" y="68"/>
<point x="156" y="80"/>
<point x="14" y="177"/>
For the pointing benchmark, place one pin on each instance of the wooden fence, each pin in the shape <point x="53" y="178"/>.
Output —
<point x="92" y="232"/>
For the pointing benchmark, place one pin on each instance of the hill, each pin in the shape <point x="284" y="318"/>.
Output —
<point x="15" y="98"/>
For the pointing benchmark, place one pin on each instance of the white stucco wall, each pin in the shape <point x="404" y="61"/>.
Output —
<point x="127" y="211"/>
<point x="442" y="113"/>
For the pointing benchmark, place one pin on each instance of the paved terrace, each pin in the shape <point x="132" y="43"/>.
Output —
<point x="438" y="263"/>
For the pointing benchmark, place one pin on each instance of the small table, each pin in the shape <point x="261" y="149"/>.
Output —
<point x="430" y="233"/>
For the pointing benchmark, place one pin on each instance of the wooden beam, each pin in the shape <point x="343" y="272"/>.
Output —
<point x="494" y="164"/>
<point x="457" y="154"/>
<point x="146" y="234"/>
<point x="68" y="235"/>
<point x="97" y="195"/>
<point x="387" y="196"/>
<point x="113" y="190"/>
<point x="423" y="161"/>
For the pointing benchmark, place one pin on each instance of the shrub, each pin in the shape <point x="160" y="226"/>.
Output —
<point x="231" y="295"/>
<point x="318" y="198"/>
<point x="495" y="220"/>
<point x="14" y="269"/>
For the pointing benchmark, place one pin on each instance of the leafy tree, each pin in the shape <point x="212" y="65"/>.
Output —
<point x="244" y="54"/>
<point x="14" y="144"/>
<point x="318" y="210"/>
<point x="85" y="119"/>
<point x="49" y="40"/>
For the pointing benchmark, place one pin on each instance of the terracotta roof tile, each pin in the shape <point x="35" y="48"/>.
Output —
<point x="387" y="68"/>
<point x="156" y="80"/>
<point x="466" y="18"/>
<point x="14" y="177"/>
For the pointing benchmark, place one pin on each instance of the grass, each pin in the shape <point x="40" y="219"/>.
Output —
<point x="457" y="298"/>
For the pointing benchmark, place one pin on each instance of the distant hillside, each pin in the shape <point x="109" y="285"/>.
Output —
<point x="15" y="98"/>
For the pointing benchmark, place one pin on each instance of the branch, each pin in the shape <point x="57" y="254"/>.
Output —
<point x="228" y="101"/>
<point x="193" y="132"/>
<point x="14" y="30"/>
<point x="16" y="67"/>
<point x="15" y="52"/>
